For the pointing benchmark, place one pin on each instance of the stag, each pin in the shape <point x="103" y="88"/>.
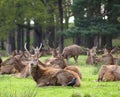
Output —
<point x="44" y="76"/>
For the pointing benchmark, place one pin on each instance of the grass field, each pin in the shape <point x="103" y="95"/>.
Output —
<point x="26" y="87"/>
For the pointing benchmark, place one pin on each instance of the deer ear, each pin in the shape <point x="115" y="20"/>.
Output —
<point x="14" y="53"/>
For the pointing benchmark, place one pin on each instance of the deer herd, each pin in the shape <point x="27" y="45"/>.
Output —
<point x="55" y="70"/>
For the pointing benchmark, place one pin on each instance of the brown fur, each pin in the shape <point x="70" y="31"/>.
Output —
<point x="8" y="69"/>
<point x="45" y="76"/>
<point x="42" y="75"/>
<point x="54" y="52"/>
<point x="109" y="73"/>
<point x="57" y="62"/>
<point x="75" y="69"/>
<point x="65" y="76"/>
<point x="24" y="73"/>
<point x="108" y="76"/>
<point x="13" y="62"/>
<point x="71" y="51"/>
<point x="91" y="56"/>
<point x="91" y="60"/>
<point x="116" y="60"/>
<point x="106" y="58"/>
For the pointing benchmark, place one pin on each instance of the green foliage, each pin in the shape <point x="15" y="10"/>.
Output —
<point x="17" y="12"/>
<point x="118" y="19"/>
<point x="89" y="20"/>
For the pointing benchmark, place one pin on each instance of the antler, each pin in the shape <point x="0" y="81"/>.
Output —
<point x="40" y="46"/>
<point x="26" y="49"/>
<point x="36" y="50"/>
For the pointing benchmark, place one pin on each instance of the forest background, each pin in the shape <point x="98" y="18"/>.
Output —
<point x="96" y="23"/>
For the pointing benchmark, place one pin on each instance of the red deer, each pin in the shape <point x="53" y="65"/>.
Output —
<point x="116" y="60"/>
<point x="109" y="76"/>
<point x="71" y="51"/>
<point x="91" y="56"/>
<point x="109" y="73"/>
<point x="14" y="65"/>
<point x="115" y="50"/>
<point x="54" y="52"/>
<point x="44" y="76"/>
<point x="57" y="62"/>
<point x="8" y="69"/>
<point x="36" y="50"/>
<point x="75" y="69"/>
<point x="106" y="58"/>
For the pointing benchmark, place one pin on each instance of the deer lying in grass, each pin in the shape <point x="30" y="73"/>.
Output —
<point x="57" y="61"/>
<point x="91" y="56"/>
<point x="44" y="76"/>
<point x="106" y="58"/>
<point x="13" y="64"/>
<point x="109" y="73"/>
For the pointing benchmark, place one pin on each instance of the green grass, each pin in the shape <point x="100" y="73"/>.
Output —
<point x="26" y="87"/>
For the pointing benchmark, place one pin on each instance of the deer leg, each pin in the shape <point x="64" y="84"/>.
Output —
<point x="75" y="58"/>
<point x="41" y="84"/>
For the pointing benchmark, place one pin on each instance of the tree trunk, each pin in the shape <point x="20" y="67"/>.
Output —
<point x="61" y="38"/>
<point x="89" y="41"/>
<point x="28" y="37"/>
<point x="12" y="41"/>
<point x="8" y="45"/>
<point x="51" y="38"/>
<point x="37" y="35"/>
<point x="22" y="39"/>
<point x="96" y="41"/>
<point x="76" y="40"/>
<point x="103" y="41"/>
<point x="2" y="44"/>
<point x="109" y="41"/>
<point x="18" y="38"/>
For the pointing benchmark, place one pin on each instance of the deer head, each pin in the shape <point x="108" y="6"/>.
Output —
<point x="92" y="51"/>
<point x="33" y="58"/>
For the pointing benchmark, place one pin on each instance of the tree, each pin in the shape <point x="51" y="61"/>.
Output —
<point x="16" y="13"/>
<point x="61" y="38"/>
<point x="91" y="23"/>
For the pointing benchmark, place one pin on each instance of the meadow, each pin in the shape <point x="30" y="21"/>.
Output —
<point x="26" y="87"/>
